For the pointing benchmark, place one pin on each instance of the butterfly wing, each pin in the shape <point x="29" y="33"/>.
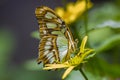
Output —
<point x="56" y="38"/>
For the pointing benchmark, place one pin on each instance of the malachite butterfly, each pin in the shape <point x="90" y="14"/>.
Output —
<point x="56" y="42"/>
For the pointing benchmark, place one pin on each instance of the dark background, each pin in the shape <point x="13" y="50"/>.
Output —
<point x="18" y="17"/>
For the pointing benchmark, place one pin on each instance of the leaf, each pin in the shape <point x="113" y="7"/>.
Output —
<point x="109" y="43"/>
<point x="35" y="34"/>
<point x="98" y="36"/>
<point x="102" y="13"/>
<point x="75" y="75"/>
<point x="110" y="69"/>
<point x="110" y="23"/>
<point x="32" y="65"/>
<point x="7" y="43"/>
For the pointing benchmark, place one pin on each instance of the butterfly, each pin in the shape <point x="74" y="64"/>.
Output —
<point x="56" y="42"/>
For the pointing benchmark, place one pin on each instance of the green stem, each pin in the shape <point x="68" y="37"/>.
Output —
<point x="81" y="71"/>
<point x="86" y="18"/>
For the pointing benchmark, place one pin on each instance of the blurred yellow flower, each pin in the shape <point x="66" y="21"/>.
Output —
<point x="73" y="10"/>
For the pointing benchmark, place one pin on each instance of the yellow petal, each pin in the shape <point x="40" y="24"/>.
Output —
<point x="70" y="7"/>
<point x="73" y="10"/>
<point x="67" y="72"/>
<point x="82" y="47"/>
<point x="54" y="66"/>
<point x="60" y="11"/>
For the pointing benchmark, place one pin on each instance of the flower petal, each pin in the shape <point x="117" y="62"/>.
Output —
<point x="67" y="72"/>
<point x="54" y="66"/>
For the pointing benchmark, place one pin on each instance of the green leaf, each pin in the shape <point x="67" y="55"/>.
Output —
<point x="111" y="69"/>
<point x="32" y="65"/>
<point x="102" y="13"/>
<point x="98" y="36"/>
<point x="110" y="23"/>
<point x="7" y="43"/>
<point x="75" y="75"/>
<point x="109" y="43"/>
<point x="35" y="34"/>
<point x="114" y="25"/>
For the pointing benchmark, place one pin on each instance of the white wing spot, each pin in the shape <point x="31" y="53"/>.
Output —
<point x="44" y="31"/>
<point x="51" y="25"/>
<point x="49" y="15"/>
<point x="59" y="20"/>
<point x="52" y="59"/>
<point x="50" y="54"/>
<point x="46" y="52"/>
<point x="49" y="39"/>
<point x="48" y="43"/>
<point x="47" y="47"/>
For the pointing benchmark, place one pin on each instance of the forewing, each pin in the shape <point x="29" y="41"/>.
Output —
<point x="49" y="24"/>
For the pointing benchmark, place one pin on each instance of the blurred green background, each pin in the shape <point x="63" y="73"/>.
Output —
<point x="19" y="48"/>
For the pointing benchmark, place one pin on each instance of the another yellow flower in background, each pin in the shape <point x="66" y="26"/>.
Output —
<point x="73" y="10"/>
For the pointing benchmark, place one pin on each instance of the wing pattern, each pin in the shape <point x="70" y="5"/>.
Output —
<point x="52" y="29"/>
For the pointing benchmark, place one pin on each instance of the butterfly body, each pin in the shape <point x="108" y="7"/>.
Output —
<point x="56" y="38"/>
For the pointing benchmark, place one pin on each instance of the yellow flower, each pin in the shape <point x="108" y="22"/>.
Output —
<point x="73" y="62"/>
<point x="73" y="10"/>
